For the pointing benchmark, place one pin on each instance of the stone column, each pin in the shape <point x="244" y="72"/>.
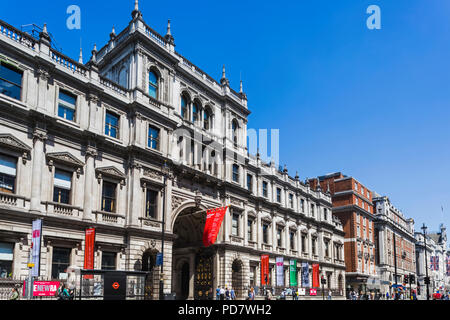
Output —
<point x="274" y="235"/>
<point x="245" y="227"/>
<point x="89" y="177"/>
<point x="259" y="235"/>
<point x="39" y="137"/>
<point x="191" y="275"/>
<point x="135" y="195"/>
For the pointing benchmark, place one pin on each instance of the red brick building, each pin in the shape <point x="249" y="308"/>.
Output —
<point x="352" y="204"/>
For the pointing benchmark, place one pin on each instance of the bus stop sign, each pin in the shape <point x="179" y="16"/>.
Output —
<point x="115" y="285"/>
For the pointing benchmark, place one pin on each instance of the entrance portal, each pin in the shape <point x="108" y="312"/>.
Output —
<point x="193" y="264"/>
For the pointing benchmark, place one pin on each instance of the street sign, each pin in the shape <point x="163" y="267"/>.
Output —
<point x="159" y="259"/>
<point x="30" y="265"/>
<point x="115" y="285"/>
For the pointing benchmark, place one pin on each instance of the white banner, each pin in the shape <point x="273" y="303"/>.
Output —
<point x="280" y="271"/>
<point x="36" y="251"/>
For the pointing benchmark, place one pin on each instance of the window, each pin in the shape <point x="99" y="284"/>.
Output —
<point x="325" y="214"/>
<point x="109" y="197"/>
<point x="302" y="203"/>
<point x="278" y="195"/>
<point x="234" y="131"/>
<point x="66" y="105"/>
<point x="10" y="81"/>
<point x="235" y="225"/>
<point x="249" y="182"/>
<point x="6" y="259"/>
<point x="264" y="188"/>
<point x="151" y="199"/>
<point x="235" y="173"/>
<point x="313" y="242"/>
<point x="195" y="112"/>
<point x="153" y="84"/>
<point x="153" y="137"/>
<point x="265" y="228"/>
<point x="207" y="119"/>
<point x="292" y="240"/>
<point x="312" y="210"/>
<point x="7" y="174"/>
<point x="112" y="125"/>
<point x="291" y="201"/>
<point x="356" y="186"/>
<point x="184" y="108"/>
<point x="61" y="186"/>
<point x="60" y="261"/>
<point x="304" y="249"/>
<point x="250" y="229"/>
<point x="108" y="260"/>
<point x="279" y="242"/>
<point x="327" y="248"/>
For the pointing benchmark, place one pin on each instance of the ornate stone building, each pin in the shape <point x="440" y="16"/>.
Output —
<point x="395" y="244"/>
<point x="135" y="136"/>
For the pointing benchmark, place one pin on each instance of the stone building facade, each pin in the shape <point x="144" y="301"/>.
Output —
<point x="135" y="136"/>
<point x="395" y="245"/>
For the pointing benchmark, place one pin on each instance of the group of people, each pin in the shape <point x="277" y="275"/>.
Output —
<point x="225" y="293"/>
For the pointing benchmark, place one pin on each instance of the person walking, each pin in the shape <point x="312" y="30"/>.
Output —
<point x="218" y="293"/>
<point x="251" y="295"/>
<point x="14" y="294"/>
<point x="227" y="294"/>
<point x="268" y="295"/>
<point x="329" y="294"/>
<point x="222" y="293"/>
<point x="232" y="294"/>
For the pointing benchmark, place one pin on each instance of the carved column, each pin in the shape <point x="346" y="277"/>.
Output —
<point x="91" y="153"/>
<point x="43" y="77"/>
<point x="39" y="137"/>
<point x="136" y="192"/>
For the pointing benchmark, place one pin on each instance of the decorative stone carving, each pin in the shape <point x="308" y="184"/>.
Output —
<point x="176" y="202"/>
<point x="153" y="174"/>
<point x="110" y="172"/>
<point x="10" y="142"/>
<point x="64" y="158"/>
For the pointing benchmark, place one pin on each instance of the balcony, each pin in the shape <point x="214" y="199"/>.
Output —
<point x="252" y="244"/>
<point x="14" y="201"/>
<point x="236" y="239"/>
<point x="62" y="209"/>
<point x="109" y="218"/>
<point x="266" y="247"/>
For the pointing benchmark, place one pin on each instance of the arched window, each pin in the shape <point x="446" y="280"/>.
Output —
<point x="184" y="107"/>
<point x="207" y="119"/>
<point x="196" y="112"/>
<point x="153" y="84"/>
<point x="234" y="131"/>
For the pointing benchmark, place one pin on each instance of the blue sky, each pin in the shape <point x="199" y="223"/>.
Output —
<point x="373" y="104"/>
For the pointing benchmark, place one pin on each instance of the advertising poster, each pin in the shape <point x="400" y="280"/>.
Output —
<point x="293" y="273"/>
<point x="280" y="271"/>
<point x="45" y="288"/>
<point x="36" y="249"/>
<point x="305" y="275"/>
<point x="89" y="251"/>
<point x="265" y="270"/>
<point x="315" y="277"/>
<point x="313" y="292"/>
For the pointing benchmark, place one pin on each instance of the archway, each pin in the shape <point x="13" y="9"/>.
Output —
<point x="193" y="264"/>
<point x="237" y="280"/>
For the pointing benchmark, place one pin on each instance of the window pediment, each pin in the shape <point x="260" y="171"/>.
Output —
<point x="9" y="141"/>
<point x="64" y="158"/>
<point x="111" y="172"/>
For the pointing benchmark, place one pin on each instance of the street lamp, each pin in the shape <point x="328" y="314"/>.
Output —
<point x="424" y="228"/>
<point x="165" y="171"/>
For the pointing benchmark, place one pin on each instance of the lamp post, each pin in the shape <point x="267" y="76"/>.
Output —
<point x="165" y="172"/>
<point x="424" y="228"/>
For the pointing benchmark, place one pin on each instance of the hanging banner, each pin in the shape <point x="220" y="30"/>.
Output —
<point x="305" y="275"/>
<point x="293" y="273"/>
<point x="265" y="270"/>
<point x="315" y="277"/>
<point x="214" y="218"/>
<point x="36" y="247"/>
<point x="89" y="243"/>
<point x="280" y="271"/>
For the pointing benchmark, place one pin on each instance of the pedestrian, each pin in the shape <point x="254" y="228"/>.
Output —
<point x="227" y="294"/>
<point x="329" y="294"/>
<point x="372" y="295"/>
<point x="268" y="295"/>
<point x="232" y="294"/>
<point x="218" y="293"/>
<point x="222" y="293"/>
<point x="252" y="294"/>
<point x="14" y="294"/>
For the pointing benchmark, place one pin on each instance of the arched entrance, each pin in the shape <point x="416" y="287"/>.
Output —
<point x="237" y="280"/>
<point x="149" y="265"/>
<point x="193" y="263"/>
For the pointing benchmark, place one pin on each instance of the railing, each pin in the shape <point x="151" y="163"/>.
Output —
<point x="62" y="209"/>
<point x="113" y="86"/>
<point x="13" y="200"/>
<point x="68" y="63"/>
<point x="155" y="36"/>
<point x="108" y="217"/>
<point x="6" y="286"/>
<point x="17" y="35"/>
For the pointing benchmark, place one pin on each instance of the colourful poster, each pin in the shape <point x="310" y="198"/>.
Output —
<point x="293" y="273"/>
<point x="45" y="288"/>
<point x="89" y="243"/>
<point x="313" y="292"/>
<point x="315" y="277"/>
<point x="214" y="218"/>
<point x="265" y="277"/>
<point x="280" y="271"/>
<point x="305" y="275"/>
<point x="36" y="247"/>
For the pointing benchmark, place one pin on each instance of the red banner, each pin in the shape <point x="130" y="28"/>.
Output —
<point x="45" y="288"/>
<point x="89" y="251"/>
<point x="265" y="280"/>
<point x="214" y="218"/>
<point x="315" y="275"/>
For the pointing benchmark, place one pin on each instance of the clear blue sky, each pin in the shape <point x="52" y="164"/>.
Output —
<point x="373" y="104"/>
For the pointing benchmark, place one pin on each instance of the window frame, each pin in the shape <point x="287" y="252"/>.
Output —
<point x="66" y="105"/>
<point x="155" y="85"/>
<point x="150" y="138"/>
<point x="17" y="70"/>
<point x="117" y="128"/>
<point x="112" y="199"/>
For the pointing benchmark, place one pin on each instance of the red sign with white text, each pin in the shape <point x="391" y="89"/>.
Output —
<point x="313" y="292"/>
<point x="315" y="277"/>
<point x="45" y="288"/>
<point x="265" y="270"/>
<point x="214" y="218"/>
<point x="89" y="251"/>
